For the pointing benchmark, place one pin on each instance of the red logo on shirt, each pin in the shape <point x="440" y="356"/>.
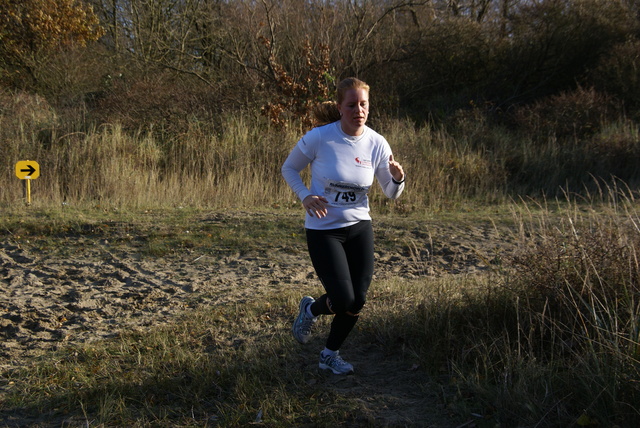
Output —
<point x="364" y="163"/>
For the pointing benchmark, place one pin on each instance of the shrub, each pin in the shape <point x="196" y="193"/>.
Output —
<point x="163" y="102"/>
<point x="615" y="151"/>
<point x="23" y="118"/>
<point x="617" y="73"/>
<point x="568" y="115"/>
<point x="296" y="97"/>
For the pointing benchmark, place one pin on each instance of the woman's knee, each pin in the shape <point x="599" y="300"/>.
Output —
<point x="340" y="306"/>
<point x="357" y="306"/>
<point x="351" y="306"/>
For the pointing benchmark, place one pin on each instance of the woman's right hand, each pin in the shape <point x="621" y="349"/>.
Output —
<point x="315" y="206"/>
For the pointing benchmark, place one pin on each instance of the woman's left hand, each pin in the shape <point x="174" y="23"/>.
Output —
<point x="395" y="169"/>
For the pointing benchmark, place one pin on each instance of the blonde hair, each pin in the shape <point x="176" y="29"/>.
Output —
<point x="327" y="111"/>
<point x="348" y="84"/>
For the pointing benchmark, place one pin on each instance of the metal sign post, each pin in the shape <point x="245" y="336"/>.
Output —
<point x="27" y="170"/>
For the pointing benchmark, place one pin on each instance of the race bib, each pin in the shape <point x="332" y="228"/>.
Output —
<point x="345" y="194"/>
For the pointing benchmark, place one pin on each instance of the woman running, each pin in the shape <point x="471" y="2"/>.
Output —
<point x="344" y="155"/>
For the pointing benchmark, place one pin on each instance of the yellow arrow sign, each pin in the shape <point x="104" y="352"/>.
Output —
<point x="27" y="170"/>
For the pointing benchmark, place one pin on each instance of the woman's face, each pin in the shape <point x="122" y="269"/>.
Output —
<point x="354" y="111"/>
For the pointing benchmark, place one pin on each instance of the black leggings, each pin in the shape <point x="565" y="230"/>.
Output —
<point x="343" y="259"/>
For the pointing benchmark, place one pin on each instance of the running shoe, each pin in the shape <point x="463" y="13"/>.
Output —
<point x="303" y="323"/>
<point x="336" y="364"/>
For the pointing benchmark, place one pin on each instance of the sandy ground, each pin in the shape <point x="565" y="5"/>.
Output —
<point x="48" y="301"/>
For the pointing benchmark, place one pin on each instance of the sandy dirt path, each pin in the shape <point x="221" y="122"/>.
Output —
<point x="98" y="289"/>
<point x="47" y="300"/>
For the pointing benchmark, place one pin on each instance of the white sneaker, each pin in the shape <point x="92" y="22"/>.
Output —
<point x="303" y="323"/>
<point x="336" y="364"/>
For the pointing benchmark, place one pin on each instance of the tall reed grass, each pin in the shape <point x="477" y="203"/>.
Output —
<point x="238" y="167"/>
<point x="235" y="162"/>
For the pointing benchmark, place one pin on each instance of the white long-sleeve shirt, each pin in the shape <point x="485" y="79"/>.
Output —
<point x="342" y="170"/>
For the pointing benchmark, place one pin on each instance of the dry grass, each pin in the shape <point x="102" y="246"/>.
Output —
<point x="235" y="162"/>
<point x="548" y="338"/>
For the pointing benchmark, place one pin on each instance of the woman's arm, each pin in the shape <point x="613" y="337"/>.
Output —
<point x="291" y="169"/>
<point x="391" y="176"/>
<point x="296" y="162"/>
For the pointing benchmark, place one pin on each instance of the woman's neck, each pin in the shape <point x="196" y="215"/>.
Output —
<point x="351" y="131"/>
